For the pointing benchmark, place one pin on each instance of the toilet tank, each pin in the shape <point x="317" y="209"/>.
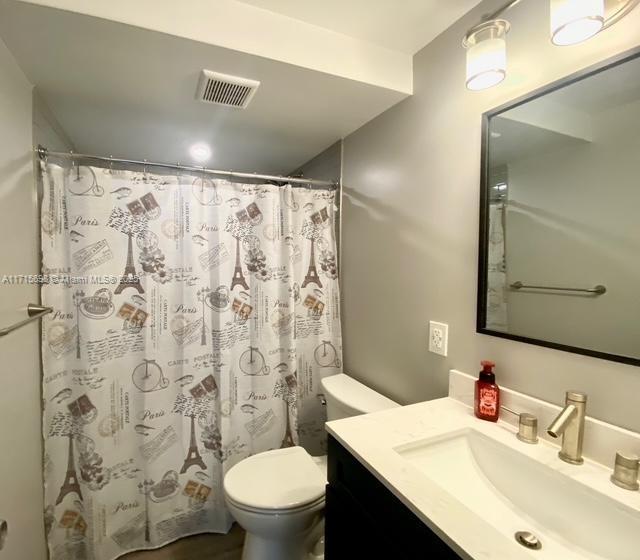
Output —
<point x="347" y="397"/>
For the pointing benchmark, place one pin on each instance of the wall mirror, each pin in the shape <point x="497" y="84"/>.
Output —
<point x="560" y="215"/>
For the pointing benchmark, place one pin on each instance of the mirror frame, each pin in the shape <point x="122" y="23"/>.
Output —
<point x="481" y="317"/>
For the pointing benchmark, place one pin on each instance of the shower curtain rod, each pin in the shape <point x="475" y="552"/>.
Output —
<point x="43" y="153"/>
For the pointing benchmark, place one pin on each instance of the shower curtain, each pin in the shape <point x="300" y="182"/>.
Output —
<point x="497" y="317"/>
<point x="193" y="320"/>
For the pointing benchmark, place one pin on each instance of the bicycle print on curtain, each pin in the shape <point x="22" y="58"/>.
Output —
<point x="210" y="314"/>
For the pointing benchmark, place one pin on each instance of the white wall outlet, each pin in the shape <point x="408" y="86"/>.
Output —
<point x="438" y="338"/>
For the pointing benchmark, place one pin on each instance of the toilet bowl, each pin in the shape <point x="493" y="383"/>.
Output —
<point x="277" y="496"/>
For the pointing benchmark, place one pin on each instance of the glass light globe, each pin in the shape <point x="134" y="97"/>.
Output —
<point x="486" y="55"/>
<point x="574" y="21"/>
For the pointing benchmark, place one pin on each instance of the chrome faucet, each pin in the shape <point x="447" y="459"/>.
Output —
<point x="570" y="425"/>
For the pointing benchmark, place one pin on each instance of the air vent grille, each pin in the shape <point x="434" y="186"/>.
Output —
<point x="223" y="89"/>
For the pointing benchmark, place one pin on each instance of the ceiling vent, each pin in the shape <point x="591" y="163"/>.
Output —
<point x="223" y="89"/>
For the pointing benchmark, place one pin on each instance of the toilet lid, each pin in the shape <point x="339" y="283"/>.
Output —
<point x="280" y="479"/>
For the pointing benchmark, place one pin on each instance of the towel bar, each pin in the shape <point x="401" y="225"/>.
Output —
<point x="597" y="290"/>
<point x="34" y="311"/>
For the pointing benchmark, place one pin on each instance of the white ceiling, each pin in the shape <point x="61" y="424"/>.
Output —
<point x="402" y="25"/>
<point x="124" y="91"/>
<point x="241" y="27"/>
<point x="126" y="86"/>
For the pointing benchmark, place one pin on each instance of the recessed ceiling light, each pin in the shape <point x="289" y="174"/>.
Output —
<point x="200" y="152"/>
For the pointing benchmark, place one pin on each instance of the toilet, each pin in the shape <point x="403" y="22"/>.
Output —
<point x="277" y="496"/>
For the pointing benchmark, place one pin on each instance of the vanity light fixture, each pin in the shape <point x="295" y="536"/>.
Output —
<point x="572" y="21"/>
<point x="486" y="54"/>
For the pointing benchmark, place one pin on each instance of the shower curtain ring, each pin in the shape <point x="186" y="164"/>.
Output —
<point x="75" y="164"/>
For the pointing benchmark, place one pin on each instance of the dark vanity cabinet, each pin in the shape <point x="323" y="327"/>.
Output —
<point x="365" y="520"/>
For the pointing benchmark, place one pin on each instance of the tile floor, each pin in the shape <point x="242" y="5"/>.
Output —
<point x="205" y="547"/>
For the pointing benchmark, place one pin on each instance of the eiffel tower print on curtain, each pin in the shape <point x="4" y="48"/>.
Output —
<point x="287" y="440"/>
<point x="151" y="446"/>
<point x="70" y="483"/>
<point x="129" y="279"/>
<point x="312" y="272"/>
<point x="238" y="276"/>
<point x="193" y="455"/>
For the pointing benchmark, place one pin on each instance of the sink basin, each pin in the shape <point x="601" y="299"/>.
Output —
<point x="514" y="492"/>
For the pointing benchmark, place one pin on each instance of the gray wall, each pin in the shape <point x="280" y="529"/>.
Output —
<point x="21" y="499"/>
<point x="326" y="166"/>
<point x="47" y="131"/>
<point x="411" y="179"/>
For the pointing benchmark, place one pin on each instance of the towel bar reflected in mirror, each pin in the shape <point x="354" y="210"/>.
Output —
<point x="597" y="290"/>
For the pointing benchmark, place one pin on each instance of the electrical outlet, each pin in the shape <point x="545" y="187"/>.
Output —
<point x="438" y="338"/>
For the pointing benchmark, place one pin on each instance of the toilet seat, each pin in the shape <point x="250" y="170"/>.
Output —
<point x="282" y="481"/>
<point x="319" y="503"/>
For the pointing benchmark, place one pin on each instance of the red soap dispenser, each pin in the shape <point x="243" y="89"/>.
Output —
<point x="487" y="395"/>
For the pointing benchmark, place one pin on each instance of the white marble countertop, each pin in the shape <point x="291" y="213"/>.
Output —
<point x="371" y="438"/>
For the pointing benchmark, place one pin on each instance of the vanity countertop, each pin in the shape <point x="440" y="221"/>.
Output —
<point x="373" y="439"/>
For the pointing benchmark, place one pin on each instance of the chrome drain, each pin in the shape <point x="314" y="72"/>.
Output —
<point x="528" y="540"/>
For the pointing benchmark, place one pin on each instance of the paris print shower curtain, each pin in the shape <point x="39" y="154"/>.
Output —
<point x="193" y="320"/>
<point x="497" y="309"/>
